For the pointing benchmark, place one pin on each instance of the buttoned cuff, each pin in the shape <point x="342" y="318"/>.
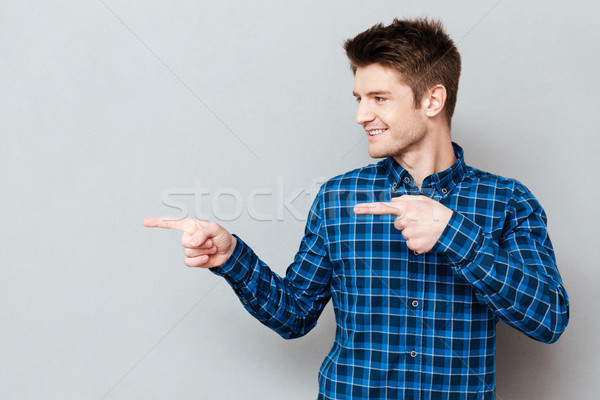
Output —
<point x="460" y="241"/>
<point x="237" y="266"/>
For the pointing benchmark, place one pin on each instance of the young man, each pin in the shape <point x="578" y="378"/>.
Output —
<point x="420" y="254"/>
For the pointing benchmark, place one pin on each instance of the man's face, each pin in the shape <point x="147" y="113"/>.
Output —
<point x="386" y="111"/>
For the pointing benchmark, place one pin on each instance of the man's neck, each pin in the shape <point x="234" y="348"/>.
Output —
<point x="430" y="156"/>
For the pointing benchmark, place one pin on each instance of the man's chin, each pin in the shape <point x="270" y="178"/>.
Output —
<point x="377" y="153"/>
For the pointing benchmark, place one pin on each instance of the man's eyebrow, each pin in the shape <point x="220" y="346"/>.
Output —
<point x="374" y="93"/>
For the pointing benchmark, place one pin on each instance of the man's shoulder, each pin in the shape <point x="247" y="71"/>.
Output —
<point x="489" y="180"/>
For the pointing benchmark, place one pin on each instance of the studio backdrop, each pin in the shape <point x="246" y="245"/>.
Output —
<point x="236" y="112"/>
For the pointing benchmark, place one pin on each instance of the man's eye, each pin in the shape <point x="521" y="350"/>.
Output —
<point x="379" y="99"/>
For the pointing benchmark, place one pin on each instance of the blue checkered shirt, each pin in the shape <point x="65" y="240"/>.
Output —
<point x="409" y="325"/>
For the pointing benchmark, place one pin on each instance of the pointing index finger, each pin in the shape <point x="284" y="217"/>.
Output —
<point x="184" y="224"/>
<point x="378" y="208"/>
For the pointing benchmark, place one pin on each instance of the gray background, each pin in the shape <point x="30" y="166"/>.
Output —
<point x="109" y="109"/>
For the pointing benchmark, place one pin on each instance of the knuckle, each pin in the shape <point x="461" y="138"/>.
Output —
<point x="398" y="224"/>
<point x="416" y="246"/>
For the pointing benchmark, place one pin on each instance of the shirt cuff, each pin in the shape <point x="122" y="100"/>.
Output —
<point x="460" y="241"/>
<point x="237" y="265"/>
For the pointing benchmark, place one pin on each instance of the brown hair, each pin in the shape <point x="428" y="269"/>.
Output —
<point x="418" y="49"/>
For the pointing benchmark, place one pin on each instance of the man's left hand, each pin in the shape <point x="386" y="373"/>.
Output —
<point x="421" y="219"/>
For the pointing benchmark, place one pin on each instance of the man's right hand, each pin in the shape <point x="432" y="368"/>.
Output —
<point x="205" y="244"/>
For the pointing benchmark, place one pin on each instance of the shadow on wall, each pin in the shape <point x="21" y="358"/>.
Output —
<point x="525" y="366"/>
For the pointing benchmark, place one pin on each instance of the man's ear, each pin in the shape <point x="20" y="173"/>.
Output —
<point x="434" y="100"/>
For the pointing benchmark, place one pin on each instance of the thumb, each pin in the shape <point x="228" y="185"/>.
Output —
<point x="205" y="231"/>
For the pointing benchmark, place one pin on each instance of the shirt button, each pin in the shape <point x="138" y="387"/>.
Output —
<point x="395" y="185"/>
<point x="415" y="303"/>
<point x="406" y="179"/>
<point x="413" y="353"/>
<point x="444" y="190"/>
<point x="416" y="253"/>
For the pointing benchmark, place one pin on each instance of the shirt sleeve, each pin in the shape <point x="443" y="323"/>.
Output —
<point x="517" y="278"/>
<point x="292" y="304"/>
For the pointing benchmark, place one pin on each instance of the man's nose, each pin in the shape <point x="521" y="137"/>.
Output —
<point x="364" y="113"/>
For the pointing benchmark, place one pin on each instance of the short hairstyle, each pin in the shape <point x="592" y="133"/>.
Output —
<point x="418" y="49"/>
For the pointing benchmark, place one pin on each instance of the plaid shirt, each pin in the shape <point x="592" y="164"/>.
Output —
<point x="409" y="325"/>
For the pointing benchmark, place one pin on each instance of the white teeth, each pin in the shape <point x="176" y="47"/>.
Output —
<point x="376" y="132"/>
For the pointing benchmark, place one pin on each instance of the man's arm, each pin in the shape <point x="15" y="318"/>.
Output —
<point x="517" y="278"/>
<point x="291" y="305"/>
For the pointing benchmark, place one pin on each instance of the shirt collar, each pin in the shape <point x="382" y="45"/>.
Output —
<point x="443" y="181"/>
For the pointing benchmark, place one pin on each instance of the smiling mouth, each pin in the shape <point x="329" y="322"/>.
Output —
<point x="376" y="132"/>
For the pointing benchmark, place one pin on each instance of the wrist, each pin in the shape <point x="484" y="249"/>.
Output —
<point x="237" y="265"/>
<point x="232" y="246"/>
